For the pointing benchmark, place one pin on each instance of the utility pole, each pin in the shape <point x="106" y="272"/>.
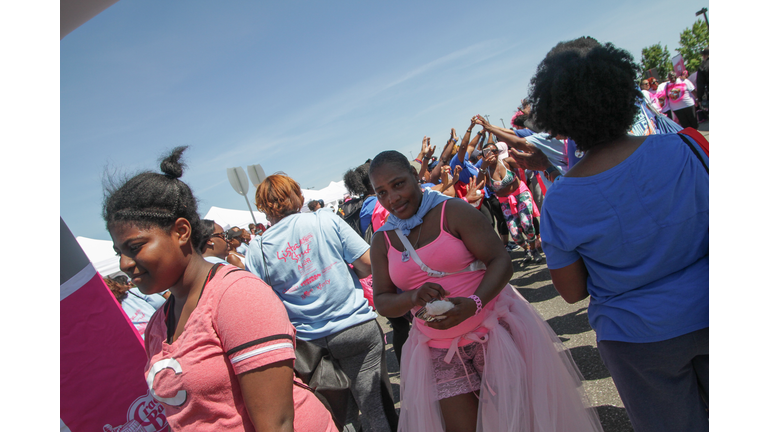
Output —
<point x="703" y="11"/>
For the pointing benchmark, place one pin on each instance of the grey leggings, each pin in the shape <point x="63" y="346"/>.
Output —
<point x="360" y="352"/>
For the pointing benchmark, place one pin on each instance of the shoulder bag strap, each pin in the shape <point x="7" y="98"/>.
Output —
<point x="475" y="265"/>
<point x="696" y="152"/>
<point x="266" y="270"/>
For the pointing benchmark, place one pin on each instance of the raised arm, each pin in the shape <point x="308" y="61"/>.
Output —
<point x="445" y="159"/>
<point x="504" y="135"/>
<point x="425" y="160"/>
<point x="464" y="143"/>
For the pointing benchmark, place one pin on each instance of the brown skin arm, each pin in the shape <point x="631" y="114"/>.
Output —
<point x="235" y="261"/>
<point x="445" y="159"/>
<point x="504" y="135"/>
<point x="469" y="225"/>
<point x="268" y="396"/>
<point x="571" y="281"/>
<point x="362" y="265"/>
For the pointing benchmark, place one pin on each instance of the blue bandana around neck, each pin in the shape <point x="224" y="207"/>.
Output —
<point x="429" y="200"/>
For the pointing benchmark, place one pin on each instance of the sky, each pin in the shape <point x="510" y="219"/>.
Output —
<point x="311" y="89"/>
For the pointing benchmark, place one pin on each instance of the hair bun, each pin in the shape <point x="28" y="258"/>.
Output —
<point x="172" y="166"/>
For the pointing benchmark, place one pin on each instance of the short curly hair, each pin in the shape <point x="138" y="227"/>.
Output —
<point x="278" y="196"/>
<point x="586" y="91"/>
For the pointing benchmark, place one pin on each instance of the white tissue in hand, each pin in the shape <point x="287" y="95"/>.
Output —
<point x="438" y="307"/>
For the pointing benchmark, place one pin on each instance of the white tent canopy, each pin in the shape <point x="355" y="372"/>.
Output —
<point x="102" y="255"/>
<point x="107" y="263"/>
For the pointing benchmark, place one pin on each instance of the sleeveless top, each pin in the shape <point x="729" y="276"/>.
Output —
<point x="508" y="179"/>
<point x="446" y="253"/>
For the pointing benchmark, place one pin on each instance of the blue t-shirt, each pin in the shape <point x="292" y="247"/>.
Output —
<point x="366" y="212"/>
<point x="468" y="169"/>
<point x="522" y="133"/>
<point x="642" y="229"/>
<point x="307" y="256"/>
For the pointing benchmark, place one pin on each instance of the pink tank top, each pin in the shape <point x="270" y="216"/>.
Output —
<point x="448" y="254"/>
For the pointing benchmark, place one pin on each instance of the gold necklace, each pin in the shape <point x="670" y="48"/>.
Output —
<point x="416" y="245"/>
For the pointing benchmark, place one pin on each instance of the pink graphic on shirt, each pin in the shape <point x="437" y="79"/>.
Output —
<point x="144" y="415"/>
<point x="296" y="251"/>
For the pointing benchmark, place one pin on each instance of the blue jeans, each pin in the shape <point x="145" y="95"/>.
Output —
<point x="664" y="385"/>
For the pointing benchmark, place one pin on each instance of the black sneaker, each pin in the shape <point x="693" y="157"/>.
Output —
<point x="537" y="258"/>
<point x="528" y="257"/>
<point x="511" y="246"/>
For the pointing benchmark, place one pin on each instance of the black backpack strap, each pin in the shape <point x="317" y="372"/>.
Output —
<point x="693" y="149"/>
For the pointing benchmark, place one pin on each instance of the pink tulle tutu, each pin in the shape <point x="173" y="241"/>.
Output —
<point x="530" y="382"/>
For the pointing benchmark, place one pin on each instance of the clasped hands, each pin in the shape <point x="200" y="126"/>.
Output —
<point x="463" y="307"/>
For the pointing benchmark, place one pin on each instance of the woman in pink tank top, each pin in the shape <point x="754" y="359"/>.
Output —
<point x="492" y="363"/>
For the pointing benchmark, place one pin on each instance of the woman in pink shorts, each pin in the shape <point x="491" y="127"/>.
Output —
<point x="489" y="364"/>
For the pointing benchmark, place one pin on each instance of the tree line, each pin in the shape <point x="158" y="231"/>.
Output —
<point x="692" y="41"/>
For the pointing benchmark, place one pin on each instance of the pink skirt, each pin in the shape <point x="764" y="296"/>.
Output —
<point x="530" y="382"/>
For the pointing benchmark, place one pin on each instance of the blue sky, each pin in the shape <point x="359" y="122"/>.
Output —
<point x="310" y="89"/>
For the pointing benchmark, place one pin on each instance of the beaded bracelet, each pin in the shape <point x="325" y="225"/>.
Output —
<point x="477" y="302"/>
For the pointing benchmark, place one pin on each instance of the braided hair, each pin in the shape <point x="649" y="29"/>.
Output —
<point x="153" y="199"/>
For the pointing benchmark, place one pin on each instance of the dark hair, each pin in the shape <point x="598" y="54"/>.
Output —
<point x="586" y="91"/>
<point x="313" y="205"/>
<point x="390" y="157"/>
<point x="519" y="121"/>
<point x="153" y="199"/>
<point x="705" y="51"/>
<point x="206" y="231"/>
<point x="356" y="180"/>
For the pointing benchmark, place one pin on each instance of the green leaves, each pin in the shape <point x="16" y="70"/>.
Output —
<point x="656" y="57"/>
<point x="692" y="41"/>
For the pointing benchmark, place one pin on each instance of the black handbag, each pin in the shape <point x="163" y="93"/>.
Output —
<point x="320" y="373"/>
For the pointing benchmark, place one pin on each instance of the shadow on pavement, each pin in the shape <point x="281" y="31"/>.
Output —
<point x="614" y="419"/>
<point x="590" y="364"/>
<point x="540" y="294"/>
<point x="571" y="323"/>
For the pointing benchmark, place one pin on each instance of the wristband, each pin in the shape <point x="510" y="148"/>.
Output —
<point x="477" y="302"/>
<point x="419" y="161"/>
<point x="550" y="170"/>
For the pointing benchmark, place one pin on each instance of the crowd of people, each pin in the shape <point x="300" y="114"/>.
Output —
<point x="585" y="179"/>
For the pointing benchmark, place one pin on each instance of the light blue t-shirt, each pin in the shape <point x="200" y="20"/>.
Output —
<point x="553" y="149"/>
<point x="242" y="248"/>
<point x="307" y="256"/>
<point x="140" y="307"/>
<point x="642" y="229"/>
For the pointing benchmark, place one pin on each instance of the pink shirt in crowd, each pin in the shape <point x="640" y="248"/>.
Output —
<point x="239" y="325"/>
